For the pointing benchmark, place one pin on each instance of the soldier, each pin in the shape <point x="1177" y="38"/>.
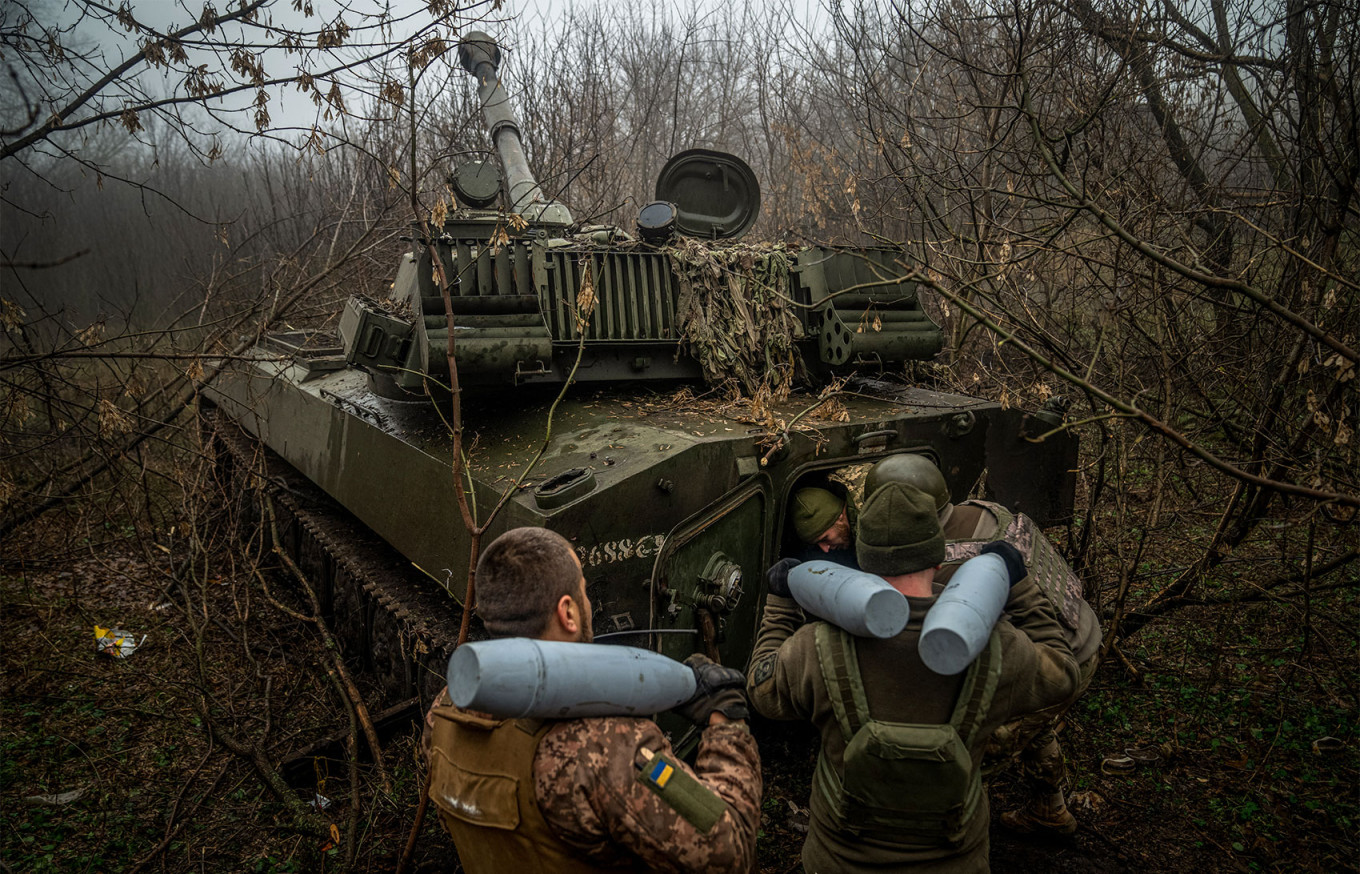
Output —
<point x="897" y="783"/>
<point x="825" y="522"/>
<point x="1032" y="739"/>
<point x="591" y="794"/>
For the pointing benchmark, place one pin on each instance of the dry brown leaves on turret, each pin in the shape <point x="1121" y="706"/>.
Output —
<point x="736" y="317"/>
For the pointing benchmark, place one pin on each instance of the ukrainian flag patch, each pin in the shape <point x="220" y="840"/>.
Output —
<point x="697" y="804"/>
<point x="660" y="773"/>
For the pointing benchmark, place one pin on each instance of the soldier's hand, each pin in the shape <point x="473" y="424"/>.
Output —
<point x="717" y="690"/>
<point x="1015" y="562"/>
<point x="777" y="577"/>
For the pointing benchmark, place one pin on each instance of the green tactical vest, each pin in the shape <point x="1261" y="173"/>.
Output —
<point x="908" y="784"/>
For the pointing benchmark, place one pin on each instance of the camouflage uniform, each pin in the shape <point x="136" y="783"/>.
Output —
<point x="786" y="681"/>
<point x="587" y="788"/>
<point x="1032" y="739"/>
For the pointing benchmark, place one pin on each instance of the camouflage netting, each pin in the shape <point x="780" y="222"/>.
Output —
<point x="736" y="316"/>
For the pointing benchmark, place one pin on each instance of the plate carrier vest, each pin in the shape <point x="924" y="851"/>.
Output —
<point x="1054" y="578"/>
<point x="481" y="780"/>
<point x="908" y="784"/>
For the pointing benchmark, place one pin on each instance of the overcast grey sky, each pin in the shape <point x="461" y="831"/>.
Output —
<point x="287" y="107"/>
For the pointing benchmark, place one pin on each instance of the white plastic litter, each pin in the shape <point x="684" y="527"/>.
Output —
<point x="115" y="642"/>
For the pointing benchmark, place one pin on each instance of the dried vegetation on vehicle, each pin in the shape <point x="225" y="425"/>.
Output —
<point x="1095" y="205"/>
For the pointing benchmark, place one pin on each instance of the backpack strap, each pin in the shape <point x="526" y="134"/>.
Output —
<point x="979" y="688"/>
<point x="840" y="673"/>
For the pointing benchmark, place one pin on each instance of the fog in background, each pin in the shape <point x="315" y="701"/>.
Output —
<point x="1151" y="211"/>
<point x="108" y="224"/>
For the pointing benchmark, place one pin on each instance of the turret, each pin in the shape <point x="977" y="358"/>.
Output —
<point x="481" y="57"/>
<point x="550" y="302"/>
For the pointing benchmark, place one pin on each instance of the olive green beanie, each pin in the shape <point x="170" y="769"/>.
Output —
<point x="814" y="511"/>
<point x="899" y="532"/>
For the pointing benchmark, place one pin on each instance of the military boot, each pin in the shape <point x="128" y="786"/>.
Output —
<point x="1043" y="815"/>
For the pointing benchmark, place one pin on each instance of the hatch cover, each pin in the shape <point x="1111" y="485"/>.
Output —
<point x="716" y="194"/>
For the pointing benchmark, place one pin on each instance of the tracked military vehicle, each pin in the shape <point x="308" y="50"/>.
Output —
<point x="675" y="503"/>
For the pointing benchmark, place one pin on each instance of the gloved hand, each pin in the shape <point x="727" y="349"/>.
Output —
<point x="717" y="689"/>
<point x="777" y="577"/>
<point x="1015" y="562"/>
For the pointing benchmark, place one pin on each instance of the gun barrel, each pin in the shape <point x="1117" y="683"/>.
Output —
<point x="481" y="57"/>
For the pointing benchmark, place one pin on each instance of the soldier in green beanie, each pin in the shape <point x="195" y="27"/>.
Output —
<point x="824" y="521"/>
<point x="924" y="811"/>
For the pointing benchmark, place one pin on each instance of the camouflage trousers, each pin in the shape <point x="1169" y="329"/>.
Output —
<point x="1032" y="742"/>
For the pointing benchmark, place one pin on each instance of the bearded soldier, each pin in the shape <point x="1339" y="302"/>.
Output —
<point x="897" y="784"/>
<point x="1032" y="739"/>
<point x="591" y="794"/>
<point x="825" y="522"/>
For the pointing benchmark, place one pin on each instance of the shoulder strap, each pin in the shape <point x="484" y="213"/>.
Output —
<point x="979" y="688"/>
<point x="1003" y="516"/>
<point x="534" y="727"/>
<point x="845" y="687"/>
<point x="961" y="549"/>
<point x="840" y="672"/>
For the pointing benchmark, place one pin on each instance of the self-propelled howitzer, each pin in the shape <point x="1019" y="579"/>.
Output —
<point x="675" y="505"/>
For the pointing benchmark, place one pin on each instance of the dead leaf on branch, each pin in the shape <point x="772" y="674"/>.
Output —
<point x="112" y="420"/>
<point x="11" y="315"/>
<point x="585" y="298"/>
<point x="499" y="240"/>
<point x="91" y="335"/>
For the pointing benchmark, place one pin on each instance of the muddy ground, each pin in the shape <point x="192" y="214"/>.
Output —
<point x="168" y="760"/>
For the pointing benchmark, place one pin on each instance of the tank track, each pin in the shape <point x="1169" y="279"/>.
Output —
<point x="393" y="624"/>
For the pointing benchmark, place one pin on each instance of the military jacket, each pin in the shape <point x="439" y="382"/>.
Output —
<point x="786" y="681"/>
<point x="588" y="780"/>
